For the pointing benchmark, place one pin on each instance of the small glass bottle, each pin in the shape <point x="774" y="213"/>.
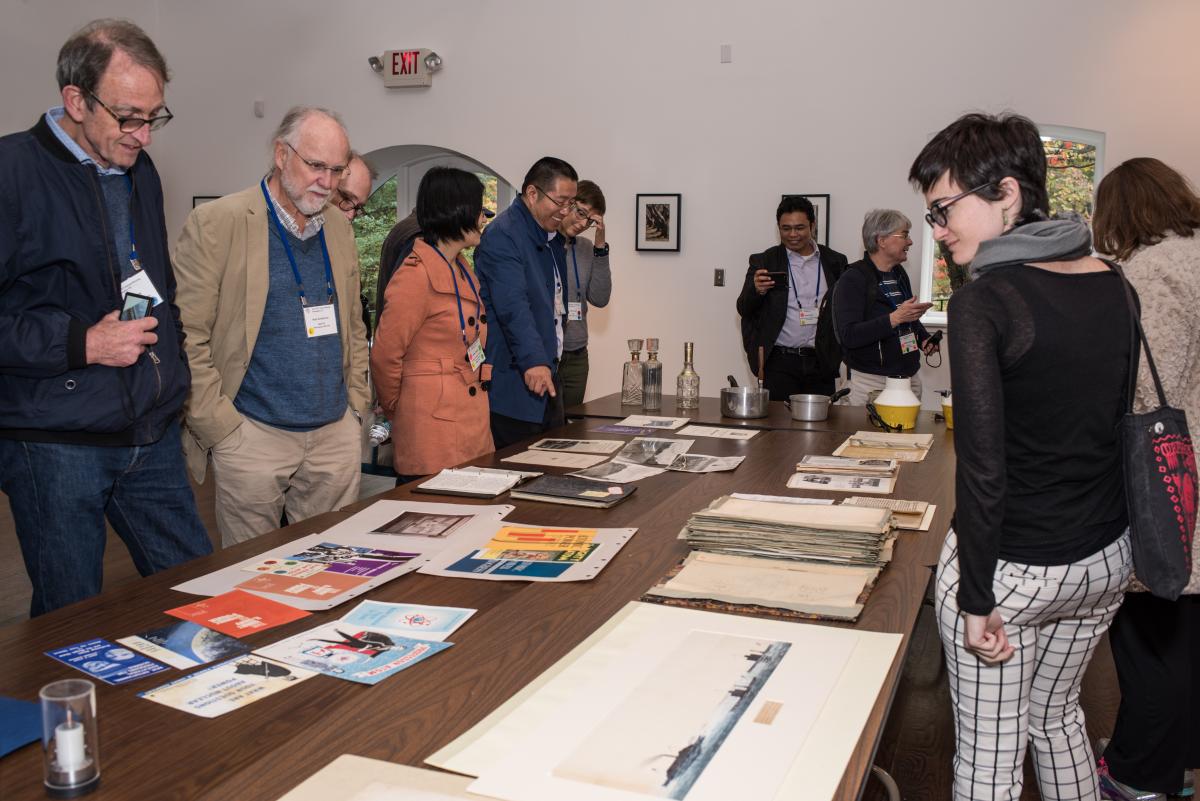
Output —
<point x="631" y="381"/>
<point x="651" y="378"/>
<point x="687" y="385"/>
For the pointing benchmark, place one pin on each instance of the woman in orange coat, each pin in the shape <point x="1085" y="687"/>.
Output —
<point x="427" y="360"/>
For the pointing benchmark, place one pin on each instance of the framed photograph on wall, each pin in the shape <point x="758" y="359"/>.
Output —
<point x="201" y="199"/>
<point x="821" y="224"/>
<point x="657" y="225"/>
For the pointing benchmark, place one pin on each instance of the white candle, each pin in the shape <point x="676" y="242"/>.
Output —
<point x="68" y="746"/>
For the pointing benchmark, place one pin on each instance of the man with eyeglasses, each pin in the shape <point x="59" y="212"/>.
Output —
<point x="355" y="188"/>
<point x="589" y="282"/>
<point x="91" y="396"/>
<point x="270" y="299"/>
<point x="521" y="264"/>
<point x="785" y="310"/>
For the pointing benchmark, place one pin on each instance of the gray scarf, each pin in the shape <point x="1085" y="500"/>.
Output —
<point x="1044" y="240"/>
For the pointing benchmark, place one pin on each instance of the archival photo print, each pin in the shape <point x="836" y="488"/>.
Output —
<point x="423" y="524"/>
<point x="661" y="737"/>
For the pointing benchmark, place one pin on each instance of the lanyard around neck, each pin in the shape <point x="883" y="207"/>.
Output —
<point x="462" y="321"/>
<point x="287" y="248"/>
<point x="817" y="294"/>
<point x="575" y="262"/>
<point x="133" y="256"/>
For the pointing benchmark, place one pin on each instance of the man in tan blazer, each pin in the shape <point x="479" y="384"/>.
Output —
<point x="269" y="298"/>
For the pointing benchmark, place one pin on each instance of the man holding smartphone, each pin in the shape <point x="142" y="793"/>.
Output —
<point x="785" y="310"/>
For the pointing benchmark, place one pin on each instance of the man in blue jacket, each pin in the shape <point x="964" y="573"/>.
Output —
<point x="92" y="367"/>
<point x="521" y="263"/>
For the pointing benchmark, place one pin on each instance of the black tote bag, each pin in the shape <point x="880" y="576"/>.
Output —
<point x="1160" y="478"/>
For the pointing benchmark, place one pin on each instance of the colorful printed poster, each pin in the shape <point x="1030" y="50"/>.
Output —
<point x="227" y="686"/>
<point x="324" y="586"/>
<point x="353" y="560"/>
<point x="238" y="613"/>
<point x="354" y="653"/>
<point x="277" y="566"/>
<point x="414" y="620"/>
<point x="111" y="663"/>
<point x="185" y="645"/>
<point x="480" y="565"/>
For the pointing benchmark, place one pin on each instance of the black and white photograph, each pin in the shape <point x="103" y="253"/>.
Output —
<point x="658" y="222"/>
<point x="423" y="524"/>
<point x="821" y="208"/>
<point x="653" y="451"/>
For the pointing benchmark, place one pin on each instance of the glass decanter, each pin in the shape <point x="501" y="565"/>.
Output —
<point x="651" y="377"/>
<point x="687" y="385"/>
<point x="631" y="380"/>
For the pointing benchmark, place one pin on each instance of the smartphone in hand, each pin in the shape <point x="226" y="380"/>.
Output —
<point x="135" y="306"/>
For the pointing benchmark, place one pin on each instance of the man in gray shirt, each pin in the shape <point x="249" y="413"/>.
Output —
<point x="588" y="280"/>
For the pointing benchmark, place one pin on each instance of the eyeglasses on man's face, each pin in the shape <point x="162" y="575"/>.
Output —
<point x="938" y="211"/>
<point x="347" y="204"/>
<point x="134" y="124"/>
<point x="320" y="166"/>
<point x="583" y="213"/>
<point x="561" y="203"/>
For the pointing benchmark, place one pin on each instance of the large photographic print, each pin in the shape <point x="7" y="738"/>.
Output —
<point x="658" y="222"/>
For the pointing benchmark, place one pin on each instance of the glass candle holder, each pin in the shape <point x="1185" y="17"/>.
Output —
<point x="70" y="746"/>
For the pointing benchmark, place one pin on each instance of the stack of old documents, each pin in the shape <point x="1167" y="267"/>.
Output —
<point x="845" y="535"/>
<point x="886" y="445"/>
<point x="844" y="474"/>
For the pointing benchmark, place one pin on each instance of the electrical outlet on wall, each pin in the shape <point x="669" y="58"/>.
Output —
<point x="718" y="277"/>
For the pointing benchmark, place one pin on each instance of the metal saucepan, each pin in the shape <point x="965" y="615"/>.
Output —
<point x="811" y="408"/>
<point x="743" y="402"/>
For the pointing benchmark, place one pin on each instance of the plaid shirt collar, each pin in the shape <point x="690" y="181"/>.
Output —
<point x="312" y="227"/>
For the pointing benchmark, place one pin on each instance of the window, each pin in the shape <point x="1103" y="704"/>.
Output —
<point x="1074" y="162"/>
<point x="370" y="229"/>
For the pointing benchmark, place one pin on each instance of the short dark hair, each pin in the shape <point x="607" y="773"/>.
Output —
<point x="86" y="55"/>
<point x="449" y="202"/>
<point x="1139" y="203"/>
<point x="545" y="170"/>
<point x="794" y="203"/>
<point x="590" y="194"/>
<point x="980" y="149"/>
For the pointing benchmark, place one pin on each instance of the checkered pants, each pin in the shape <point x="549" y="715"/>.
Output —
<point x="1055" y="617"/>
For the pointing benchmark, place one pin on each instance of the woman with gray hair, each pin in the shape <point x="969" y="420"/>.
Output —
<point x="875" y="315"/>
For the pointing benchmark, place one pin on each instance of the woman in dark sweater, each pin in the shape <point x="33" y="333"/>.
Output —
<point x="1036" y="563"/>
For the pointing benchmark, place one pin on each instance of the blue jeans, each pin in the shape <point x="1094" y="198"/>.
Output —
<point x="61" y="494"/>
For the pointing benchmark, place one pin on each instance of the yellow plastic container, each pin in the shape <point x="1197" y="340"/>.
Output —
<point x="897" y="404"/>
<point x="948" y="412"/>
<point x="904" y="416"/>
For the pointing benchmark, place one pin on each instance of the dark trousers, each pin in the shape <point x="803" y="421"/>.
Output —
<point x="1156" y="648"/>
<point x="509" y="430"/>
<point x="787" y="374"/>
<point x="573" y="373"/>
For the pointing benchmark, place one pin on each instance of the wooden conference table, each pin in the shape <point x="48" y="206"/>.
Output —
<point x="149" y="751"/>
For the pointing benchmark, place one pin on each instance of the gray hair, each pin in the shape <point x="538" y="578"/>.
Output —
<point x="289" y="127"/>
<point x="372" y="170"/>
<point x="881" y="222"/>
<point x="84" y="57"/>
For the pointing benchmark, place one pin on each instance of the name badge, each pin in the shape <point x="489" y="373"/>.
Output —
<point x="908" y="342"/>
<point x="808" y="317"/>
<point x="140" y="284"/>
<point x="475" y="354"/>
<point x="320" y="321"/>
<point x="574" y="310"/>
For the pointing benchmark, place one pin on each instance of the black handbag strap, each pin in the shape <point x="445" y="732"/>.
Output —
<point x="1136" y="335"/>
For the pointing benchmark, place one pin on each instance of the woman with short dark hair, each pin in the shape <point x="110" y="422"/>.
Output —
<point x="1147" y="216"/>
<point x="1036" y="562"/>
<point x="427" y="359"/>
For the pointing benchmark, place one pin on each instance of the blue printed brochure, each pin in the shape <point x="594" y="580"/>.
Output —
<point x="411" y="620"/>
<point x="355" y="653"/>
<point x="111" y="663"/>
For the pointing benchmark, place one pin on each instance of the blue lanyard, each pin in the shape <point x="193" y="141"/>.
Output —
<point x="795" y="294"/>
<point x="287" y="248"/>
<point x="133" y="256"/>
<point x="462" y="321"/>
<point x="578" y="284"/>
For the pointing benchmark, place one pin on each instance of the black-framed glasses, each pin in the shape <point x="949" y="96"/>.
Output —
<point x="134" y="124"/>
<point x="879" y="422"/>
<point x="560" y="203"/>
<point x="937" y="212"/>
<point x="584" y="214"/>
<point x="319" y="166"/>
<point x="347" y="204"/>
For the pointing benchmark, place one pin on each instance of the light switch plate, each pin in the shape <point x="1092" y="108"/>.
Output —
<point x="718" y="277"/>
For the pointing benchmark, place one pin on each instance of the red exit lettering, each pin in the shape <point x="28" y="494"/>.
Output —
<point x="404" y="62"/>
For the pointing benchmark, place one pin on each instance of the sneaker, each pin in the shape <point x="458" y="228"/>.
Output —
<point x="1114" y="790"/>
<point x="1189" y="779"/>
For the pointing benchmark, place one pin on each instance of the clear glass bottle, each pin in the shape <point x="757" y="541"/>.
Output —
<point x="687" y="385"/>
<point x="631" y="380"/>
<point x="651" y="378"/>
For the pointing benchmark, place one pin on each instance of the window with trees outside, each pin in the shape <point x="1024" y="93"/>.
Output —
<point x="1074" y="166"/>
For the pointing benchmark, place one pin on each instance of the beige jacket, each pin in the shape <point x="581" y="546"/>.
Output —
<point x="221" y="270"/>
<point x="1167" y="279"/>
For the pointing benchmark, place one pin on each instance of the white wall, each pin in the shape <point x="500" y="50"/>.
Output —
<point x="830" y="97"/>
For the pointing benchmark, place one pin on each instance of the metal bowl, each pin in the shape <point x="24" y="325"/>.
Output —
<point x="744" y="402"/>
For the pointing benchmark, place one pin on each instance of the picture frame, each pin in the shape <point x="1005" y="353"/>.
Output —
<point x="821" y="223"/>
<point x="198" y="200"/>
<point x="657" y="224"/>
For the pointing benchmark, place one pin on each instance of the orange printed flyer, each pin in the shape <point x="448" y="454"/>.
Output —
<point x="238" y="613"/>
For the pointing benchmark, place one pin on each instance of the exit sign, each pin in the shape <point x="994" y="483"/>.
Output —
<point x="406" y="68"/>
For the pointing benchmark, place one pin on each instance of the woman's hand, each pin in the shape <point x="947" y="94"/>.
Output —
<point x="985" y="637"/>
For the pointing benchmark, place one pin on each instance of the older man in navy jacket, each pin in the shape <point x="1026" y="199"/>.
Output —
<point x="521" y="267"/>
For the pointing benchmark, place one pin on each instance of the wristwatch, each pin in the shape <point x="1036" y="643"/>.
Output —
<point x="600" y="252"/>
